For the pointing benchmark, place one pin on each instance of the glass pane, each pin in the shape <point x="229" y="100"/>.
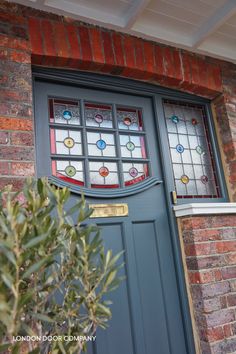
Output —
<point x="68" y="171"/>
<point x="132" y="146"/>
<point x="129" y="118"/>
<point x="98" y="115"/>
<point x="103" y="174"/>
<point x="64" y="111"/>
<point x="65" y="142"/>
<point x="134" y="173"/>
<point x="101" y="144"/>
<point x="190" y="148"/>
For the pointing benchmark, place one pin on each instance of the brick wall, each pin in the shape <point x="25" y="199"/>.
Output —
<point x="210" y="251"/>
<point x="30" y="36"/>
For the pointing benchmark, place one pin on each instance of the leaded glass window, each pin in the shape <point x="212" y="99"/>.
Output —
<point x="190" y="149"/>
<point x="97" y="145"/>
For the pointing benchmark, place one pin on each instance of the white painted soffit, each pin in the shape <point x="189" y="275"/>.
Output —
<point x="205" y="209"/>
<point x="202" y="26"/>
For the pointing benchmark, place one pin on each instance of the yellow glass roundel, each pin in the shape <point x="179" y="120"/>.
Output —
<point x="69" y="142"/>
<point x="184" y="179"/>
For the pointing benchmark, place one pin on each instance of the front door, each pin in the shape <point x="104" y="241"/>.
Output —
<point x="105" y="144"/>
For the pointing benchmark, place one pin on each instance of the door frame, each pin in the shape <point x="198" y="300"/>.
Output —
<point x="157" y="94"/>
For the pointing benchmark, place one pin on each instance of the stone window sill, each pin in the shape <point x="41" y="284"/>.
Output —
<point x="204" y="209"/>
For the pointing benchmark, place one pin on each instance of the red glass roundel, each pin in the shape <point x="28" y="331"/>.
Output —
<point x="103" y="171"/>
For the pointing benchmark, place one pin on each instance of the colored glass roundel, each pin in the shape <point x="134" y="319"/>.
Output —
<point x="127" y="121"/>
<point x="194" y="121"/>
<point x="98" y="118"/>
<point x="67" y="115"/>
<point x="204" y="179"/>
<point x="70" y="171"/>
<point x="101" y="144"/>
<point x="104" y="171"/>
<point x="180" y="148"/>
<point x="130" y="146"/>
<point x="69" y="142"/>
<point x="185" y="179"/>
<point x="199" y="150"/>
<point x="133" y="172"/>
<point x="175" y="119"/>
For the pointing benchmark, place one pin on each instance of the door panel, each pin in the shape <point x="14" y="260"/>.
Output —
<point x="146" y="308"/>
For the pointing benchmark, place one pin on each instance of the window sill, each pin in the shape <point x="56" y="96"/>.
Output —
<point x="204" y="209"/>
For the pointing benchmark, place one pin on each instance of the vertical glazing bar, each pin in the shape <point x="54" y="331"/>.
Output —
<point x="118" y="149"/>
<point x="85" y="145"/>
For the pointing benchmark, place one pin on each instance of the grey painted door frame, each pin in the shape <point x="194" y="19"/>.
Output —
<point x="157" y="94"/>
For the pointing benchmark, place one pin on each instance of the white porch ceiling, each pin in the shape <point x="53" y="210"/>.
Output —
<point x="203" y="26"/>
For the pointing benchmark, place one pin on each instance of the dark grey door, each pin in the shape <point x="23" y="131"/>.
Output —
<point x="106" y="145"/>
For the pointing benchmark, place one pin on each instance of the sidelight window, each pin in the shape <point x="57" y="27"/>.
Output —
<point x="191" y="151"/>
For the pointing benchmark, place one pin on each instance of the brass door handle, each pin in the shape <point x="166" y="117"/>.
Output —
<point x="174" y="197"/>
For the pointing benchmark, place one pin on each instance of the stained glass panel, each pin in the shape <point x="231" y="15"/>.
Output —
<point x="65" y="142"/>
<point x="68" y="171"/>
<point x="107" y="145"/>
<point x="129" y="118"/>
<point x="191" y="154"/>
<point x="132" y="146"/>
<point x="103" y="174"/>
<point x="64" y="112"/>
<point x="98" y="115"/>
<point x="101" y="144"/>
<point x="134" y="173"/>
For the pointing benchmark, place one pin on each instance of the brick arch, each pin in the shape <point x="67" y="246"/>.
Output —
<point x="74" y="45"/>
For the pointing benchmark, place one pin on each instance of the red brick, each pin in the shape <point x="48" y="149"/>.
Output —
<point x="200" y="249"/>
<point x="214" y="77"/>
<point x="16" y="153"/>
<point x="202" y="277"/>
<point x="13" y="95"/>
<point x="14" y="43"/>
<point x="22" y="138"/>
<point x="61" y="44"/>
<point x="4" y="137"/>
<point x="215" y="289"/>
<point x="159" y="60"/>
<point x="35" y="33"/>
<point x="75" y="51"/>
<point x="227" y="330"/>
<point x="231" y="300"/>
<point x="11" y="18"/>
<point x="50" y="53"/>
<point x="148" y="49"/>
<point x="22" y="169"/>
<point x="228" y="272"/>
<point x="97" y="45"/>
<point x="16" y="182"/>
<point x="177" y="65"/>
<point x="108" y="51"/>
<point x="129" y="56"/>
<point x="4" y="168"/>
<point x="15" y="124"/>
<point x="85" y="47"/>
<point x="168" y="62"/>
<point x="230" y="258"/>
<point x="225" y="246"/>
<point x="220" y="317"/>
<point x="117" y="39"/>
<point x="139" y="54"/>
<point x="212" y="334"/>
<point x="19" y="56"/>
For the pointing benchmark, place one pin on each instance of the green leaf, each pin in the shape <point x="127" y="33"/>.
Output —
<point x="35" y="351"/>
<point x="36" y="267"/>
<point x="25" y="298"/>
<point x="8" y="281"/>
<point x="42" y="317"/>
<point x="36" y="240"/>
<point x="4" y="347"/>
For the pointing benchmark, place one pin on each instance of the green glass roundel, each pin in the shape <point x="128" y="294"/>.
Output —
<point x="70" y="171"/>
<point x="130" y="146"/>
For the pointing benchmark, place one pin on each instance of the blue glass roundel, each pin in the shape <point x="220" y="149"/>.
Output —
<point x="67" y="115"/>
<point x="175" y="119"/>
<point x="101" y="144"/>
<point x="180" y="148"/>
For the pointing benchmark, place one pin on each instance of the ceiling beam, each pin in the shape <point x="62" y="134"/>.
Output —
<point x="135" y="10"/>
<point x="220" y="16"/>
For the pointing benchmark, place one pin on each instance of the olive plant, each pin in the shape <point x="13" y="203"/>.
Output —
<point x="54" y="272"/>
